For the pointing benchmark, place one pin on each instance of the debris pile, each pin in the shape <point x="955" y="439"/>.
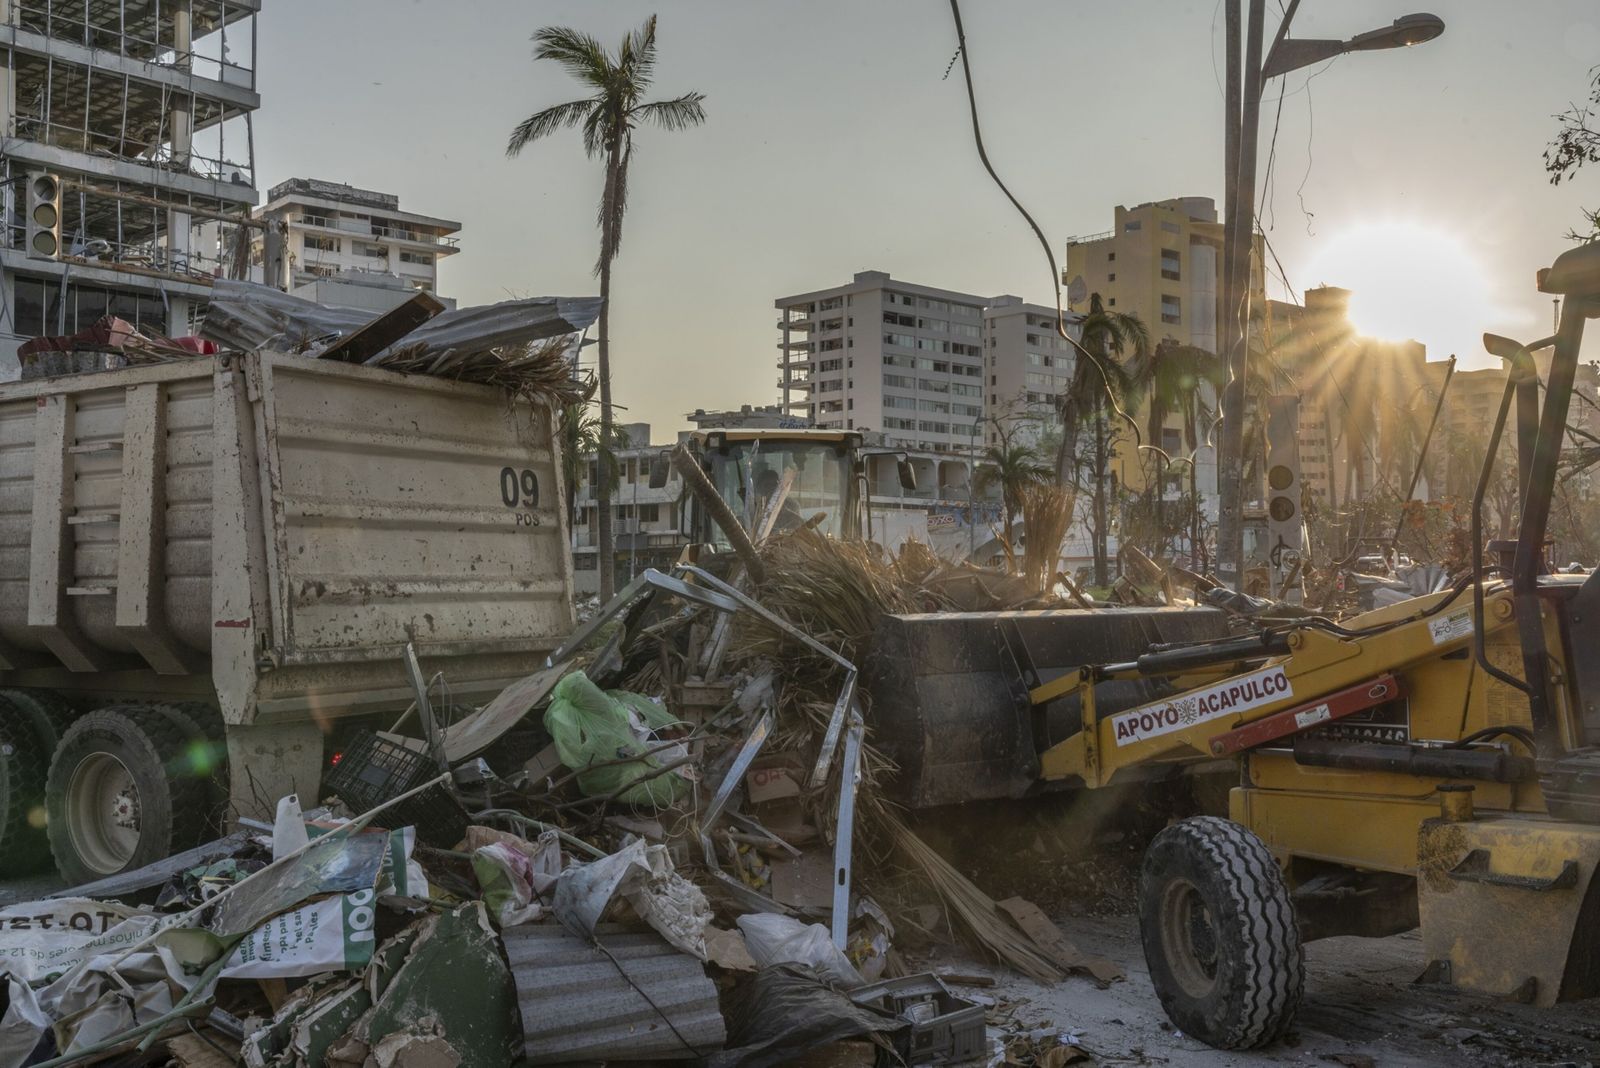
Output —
<point x="670" y="843"/>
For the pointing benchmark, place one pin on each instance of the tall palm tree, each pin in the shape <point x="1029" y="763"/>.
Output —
<point x="607" y="119"/>
<point x="1014" y="467"/>
<point x="1179" y="381"/>
<point x="1099" y="386"/>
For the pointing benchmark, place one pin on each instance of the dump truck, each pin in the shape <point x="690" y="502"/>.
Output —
<point x="210" y="567"/>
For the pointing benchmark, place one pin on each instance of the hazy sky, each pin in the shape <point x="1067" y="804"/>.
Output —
<point x="833" y="144"/>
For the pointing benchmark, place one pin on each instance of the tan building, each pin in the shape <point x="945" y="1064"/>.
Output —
<point x="1162" y="262"/>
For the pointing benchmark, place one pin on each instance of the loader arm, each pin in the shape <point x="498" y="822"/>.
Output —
<point x="1325" y="676"/>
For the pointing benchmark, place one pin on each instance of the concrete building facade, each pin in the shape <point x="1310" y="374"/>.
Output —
<point x="886" y="355"/>
<point x="140" y="115"/>
<point x="336" y="233"/>
<point x="1161" y="261"/>
<point x="1028" y="364"/>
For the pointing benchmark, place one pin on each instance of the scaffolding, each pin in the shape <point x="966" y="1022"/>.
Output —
<point x="144" y="108"/>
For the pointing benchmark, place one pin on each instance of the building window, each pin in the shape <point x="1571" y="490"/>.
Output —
<point x="892" y="401"/>
<point x="424" y="258"/>
<point x="318" y="243"/>
<point x="1171" y="227"/>
<point x="899" y="381"/>
<point x="1112" y="277"/>
<point x="1169" y="264"/>
<point x="1111" y="257"/>
<point x="1171" y="309"/>
<point x="895" y="423"/>
<point x="830" y="365"/>
<point x="1130" y="226"/>
<point x="371" y="252"/>
<point x="1112" y="302"/>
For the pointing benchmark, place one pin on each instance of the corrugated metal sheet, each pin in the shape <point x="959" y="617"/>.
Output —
<point x="577" y="1006"/>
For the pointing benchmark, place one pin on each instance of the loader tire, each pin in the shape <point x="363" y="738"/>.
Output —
<point x="124" y="790"/>
<point x="23" y="847"/>
<point x="1219" y="934"/>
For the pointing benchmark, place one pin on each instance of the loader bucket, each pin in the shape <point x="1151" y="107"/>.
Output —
<point x="949" y="691"/>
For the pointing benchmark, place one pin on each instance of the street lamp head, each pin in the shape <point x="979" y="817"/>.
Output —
<point x="1292" y="53"/>
<point x="1406" y="31"/>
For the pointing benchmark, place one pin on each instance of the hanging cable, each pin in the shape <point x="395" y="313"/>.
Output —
<point x="1050" y="257"/>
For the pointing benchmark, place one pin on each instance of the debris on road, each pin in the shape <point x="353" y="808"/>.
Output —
<point x="696" y="822"/>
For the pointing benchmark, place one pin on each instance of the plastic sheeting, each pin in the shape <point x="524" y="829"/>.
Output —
<point x="247" y="316"/>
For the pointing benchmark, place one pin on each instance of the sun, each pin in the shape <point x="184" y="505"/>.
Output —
<point x="1408" y="280"/>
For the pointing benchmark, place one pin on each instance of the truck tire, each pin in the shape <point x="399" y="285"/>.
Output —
<point x="1219" y="934"/>
<point x="46" y="711"/>
<point x="123" y="791"/>
<point x="22" y="764"/>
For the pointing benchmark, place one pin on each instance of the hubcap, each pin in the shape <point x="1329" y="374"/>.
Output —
<point x="1191" y="938"/>
<point x="103" y="813"/>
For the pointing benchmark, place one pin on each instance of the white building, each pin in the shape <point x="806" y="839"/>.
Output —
<point x="930" y="369"/>
<point x="140" y="115"/>
<point x="882" y="354"/>
<point x="354" y="247"/>
<point x="1029" y="364"/>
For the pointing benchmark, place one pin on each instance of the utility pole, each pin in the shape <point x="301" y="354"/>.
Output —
<point x="1240" y="128"/>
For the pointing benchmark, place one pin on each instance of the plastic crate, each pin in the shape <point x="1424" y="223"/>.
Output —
<point x="945" y="1028"/>
<point x="375" y="769"/>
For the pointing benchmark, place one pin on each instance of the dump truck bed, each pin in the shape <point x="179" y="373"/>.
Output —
<point x="265" y="532"/>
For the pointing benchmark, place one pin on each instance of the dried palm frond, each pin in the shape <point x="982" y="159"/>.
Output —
<point x="1047" y="513"/>
<point x="915" y="562"/>
<point x="832" y="590"/>
<point x="979" y="915"/>
<point x="534" y="369"/>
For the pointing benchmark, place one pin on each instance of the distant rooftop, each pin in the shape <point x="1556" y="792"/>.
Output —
<point x="316" y="187"/>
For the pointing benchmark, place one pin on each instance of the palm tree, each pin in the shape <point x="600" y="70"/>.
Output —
<point x="581" y="437"/>
<point x="1014" y="467"/>
<point x="608" y="119"/>
<point x="1100" y="384"/>
<point x="1174" y="379"/>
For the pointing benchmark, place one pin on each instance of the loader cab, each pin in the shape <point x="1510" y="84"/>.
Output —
<point x="749" y="468"/>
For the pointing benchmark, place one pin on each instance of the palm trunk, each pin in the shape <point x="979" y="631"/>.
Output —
<point x="1102" y="569"/>
<point x="605" y="557"/>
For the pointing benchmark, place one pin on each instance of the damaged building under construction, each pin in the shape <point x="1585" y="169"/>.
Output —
<point x="128" y="164"/>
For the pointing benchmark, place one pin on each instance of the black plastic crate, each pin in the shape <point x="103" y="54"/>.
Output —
<point x="945" y="1029"/>
<point x="375" y="769"/>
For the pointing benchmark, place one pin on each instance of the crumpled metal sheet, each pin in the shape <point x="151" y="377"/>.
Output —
<point x="577" y="1006"/>
<point x="248" y="316"/>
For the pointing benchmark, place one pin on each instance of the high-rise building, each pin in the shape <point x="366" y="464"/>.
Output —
<point x="929" y="368"/>
<point x="882" y="354"/>
<point x="345" y="245"/>
<point x="1162" y="262"/>
<point x="128" y="172"/>
<point x="1029" y="365"/>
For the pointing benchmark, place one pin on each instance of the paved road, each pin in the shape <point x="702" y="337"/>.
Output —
<point x="1360" y="1000"/>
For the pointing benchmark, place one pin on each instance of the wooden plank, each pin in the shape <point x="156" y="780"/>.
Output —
<point x="385" y="330"/>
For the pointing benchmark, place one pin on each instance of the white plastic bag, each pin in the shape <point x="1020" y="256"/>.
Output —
<point x="774" y="939"/>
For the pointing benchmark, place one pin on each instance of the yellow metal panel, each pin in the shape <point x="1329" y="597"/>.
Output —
<point x="1373" y="833"/>
<point x="1276" y="770"/>
<point x="1500" y="901"/>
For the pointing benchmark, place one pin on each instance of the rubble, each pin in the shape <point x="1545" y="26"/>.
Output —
<point x="694" y="826"/>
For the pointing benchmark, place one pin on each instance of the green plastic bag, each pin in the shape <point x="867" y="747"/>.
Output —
<point x="591" y="726"/>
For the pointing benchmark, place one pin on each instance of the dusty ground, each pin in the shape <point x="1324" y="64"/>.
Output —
<point x="1360" y="1003"/>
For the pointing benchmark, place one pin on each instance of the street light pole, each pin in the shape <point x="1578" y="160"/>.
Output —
<point x="1240" y="127"/>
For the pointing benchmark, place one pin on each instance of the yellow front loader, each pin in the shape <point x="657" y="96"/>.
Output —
<point x="1435" y="763"/>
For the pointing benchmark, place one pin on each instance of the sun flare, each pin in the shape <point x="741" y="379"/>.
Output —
<point x="1407" y="280"/>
